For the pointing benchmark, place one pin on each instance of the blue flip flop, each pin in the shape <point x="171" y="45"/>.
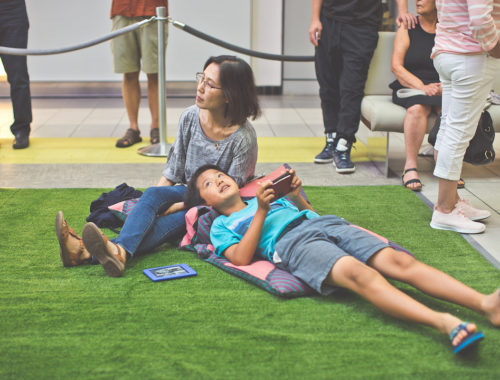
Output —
<point x="469" y="341"/>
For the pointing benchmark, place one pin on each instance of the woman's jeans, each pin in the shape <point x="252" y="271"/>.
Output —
<point x="466" y="81"/>
<point x="144" y="229"/>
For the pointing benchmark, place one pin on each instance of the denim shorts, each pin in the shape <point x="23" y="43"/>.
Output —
<point x="310" y="250"/>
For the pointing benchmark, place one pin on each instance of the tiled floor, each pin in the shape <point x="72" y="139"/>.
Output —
<point x="283" y="116"/>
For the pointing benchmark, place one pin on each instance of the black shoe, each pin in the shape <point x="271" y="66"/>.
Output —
<point x="21" y="141"/>
<point x="326" y="156"/>
<point x="342" y="157"/>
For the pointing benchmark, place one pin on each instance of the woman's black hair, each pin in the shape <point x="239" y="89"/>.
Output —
<point x="238" y="86"/>
<point x="192" y="195"/>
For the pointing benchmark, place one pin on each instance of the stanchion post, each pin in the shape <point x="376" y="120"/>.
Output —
<point x="160" y="150"/>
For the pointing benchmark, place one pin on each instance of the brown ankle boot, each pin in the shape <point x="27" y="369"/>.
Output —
<point x="72" y="250"/>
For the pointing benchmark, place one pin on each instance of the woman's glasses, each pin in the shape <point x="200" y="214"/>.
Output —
<point x="200" y="78"/>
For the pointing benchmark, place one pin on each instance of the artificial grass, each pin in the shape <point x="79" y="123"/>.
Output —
<point x="60" y="322"/>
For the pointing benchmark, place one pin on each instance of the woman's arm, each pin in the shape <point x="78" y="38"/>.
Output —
<point x="165" y="182"/>
<point x="243" y="252"/>
<point x="407" y="79"/>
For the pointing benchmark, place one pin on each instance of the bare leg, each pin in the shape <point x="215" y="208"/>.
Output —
<point x="153" y="99"/>
<point x="403" y="267"/>
<point x="415" y="126"/>
<point x="371" y="285"/>
<point x="131" y="92"/>
<point x="447" y="196"/>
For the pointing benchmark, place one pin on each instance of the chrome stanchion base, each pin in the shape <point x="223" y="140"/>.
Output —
<point x="155" y="150"/>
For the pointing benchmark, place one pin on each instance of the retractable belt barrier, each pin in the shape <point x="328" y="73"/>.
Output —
<point x="159" y="149"/>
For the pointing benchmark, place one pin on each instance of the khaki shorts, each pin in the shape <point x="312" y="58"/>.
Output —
<point x="139" y="45"/>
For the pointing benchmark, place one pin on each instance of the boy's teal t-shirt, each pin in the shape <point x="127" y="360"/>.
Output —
<point x="229" y="230"/>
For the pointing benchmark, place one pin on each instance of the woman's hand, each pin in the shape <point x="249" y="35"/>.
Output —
<point x="432" y="89"/>
<point x="179" y="206"/>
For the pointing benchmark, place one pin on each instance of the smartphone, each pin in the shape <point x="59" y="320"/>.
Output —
<point x="316" y="34"/>
<point x="282" y="185"/>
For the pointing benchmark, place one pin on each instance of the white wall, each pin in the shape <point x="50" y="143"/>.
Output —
<point x="267" y="24"/>
<point x="60" y="23"/>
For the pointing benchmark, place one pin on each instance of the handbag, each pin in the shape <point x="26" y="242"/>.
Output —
<point x="480" y="150"/>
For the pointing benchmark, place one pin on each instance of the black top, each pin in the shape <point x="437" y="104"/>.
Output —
<point x="418" y="57"/>
<point x="368" y="12"/>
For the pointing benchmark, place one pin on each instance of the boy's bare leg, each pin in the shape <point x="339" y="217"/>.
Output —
<point x="403" y="267"/>
<point x="370" y="284"/>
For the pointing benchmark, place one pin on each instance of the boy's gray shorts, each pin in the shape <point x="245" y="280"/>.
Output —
<point x="310" y="250"/>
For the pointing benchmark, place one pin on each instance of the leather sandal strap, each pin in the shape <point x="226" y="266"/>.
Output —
<point x="409" y="170"/>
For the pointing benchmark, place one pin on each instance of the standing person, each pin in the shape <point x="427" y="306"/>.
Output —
<point x="465" y="54"/>
<point x="214" y="131"/>
<point x="14" y="27"/>
<point x="412" y="65"/>
<point x="132" y="51"/>
<point x="345" y="34"/>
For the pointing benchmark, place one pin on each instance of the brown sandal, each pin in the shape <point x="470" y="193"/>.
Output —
<point x="130" y="138"/>
<point x="154" y="135"/>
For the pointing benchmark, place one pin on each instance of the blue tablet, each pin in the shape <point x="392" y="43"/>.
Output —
<point x="169" y="272"/>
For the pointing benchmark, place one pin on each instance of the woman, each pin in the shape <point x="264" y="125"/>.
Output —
<point x="214" y="131"/>
<point x="465" y="56"/>
<point x="413" y="68"/>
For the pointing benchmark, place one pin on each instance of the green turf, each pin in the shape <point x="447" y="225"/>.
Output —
<point x="60" y="323"/>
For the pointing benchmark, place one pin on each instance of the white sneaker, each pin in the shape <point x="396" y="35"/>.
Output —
<point x="455" y="221"/>
<point x="471" y="212"/>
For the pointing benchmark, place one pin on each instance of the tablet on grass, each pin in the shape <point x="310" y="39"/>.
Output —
<point x="169" y="272"/>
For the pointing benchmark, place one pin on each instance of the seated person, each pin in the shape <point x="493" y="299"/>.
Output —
<point x="412" y="65"/>
<point x="214" y="130"/>
<point x="327" y="252"/>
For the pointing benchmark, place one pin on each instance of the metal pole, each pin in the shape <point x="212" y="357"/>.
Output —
<point x="160" y="149"/>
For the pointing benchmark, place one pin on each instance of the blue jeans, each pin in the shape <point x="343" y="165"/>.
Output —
<point x="144" y="229"/>
<point x="14" y="33"/>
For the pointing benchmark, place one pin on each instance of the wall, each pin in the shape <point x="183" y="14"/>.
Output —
<point x="60" y="23"/>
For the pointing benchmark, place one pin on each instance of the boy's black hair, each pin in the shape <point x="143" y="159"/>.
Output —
<point x="192" y="195"/>
<point x="238" y="86"/>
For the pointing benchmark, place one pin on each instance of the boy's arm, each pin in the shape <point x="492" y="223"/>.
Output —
<point x="243" y="252"/>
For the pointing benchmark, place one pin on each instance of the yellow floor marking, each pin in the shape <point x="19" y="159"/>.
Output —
<point x="102" y="150"/>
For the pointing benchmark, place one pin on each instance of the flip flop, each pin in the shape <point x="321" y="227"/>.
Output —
<point x="410" y="181"/>
<point x="469" y="341"/>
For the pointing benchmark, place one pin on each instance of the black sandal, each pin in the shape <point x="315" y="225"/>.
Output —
<point x="154" y="135"/>
<point x="410" y="181"/>
<point x="460" y="183"/>
<point x="130" y="138"/>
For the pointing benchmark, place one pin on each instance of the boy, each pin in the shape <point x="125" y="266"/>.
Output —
<point x="327" y="252"/>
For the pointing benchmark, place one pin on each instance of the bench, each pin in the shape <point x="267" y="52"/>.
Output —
<point x="378" y="112"/>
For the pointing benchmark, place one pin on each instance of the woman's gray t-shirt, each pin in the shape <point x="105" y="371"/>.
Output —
<point x="236" y="154"/>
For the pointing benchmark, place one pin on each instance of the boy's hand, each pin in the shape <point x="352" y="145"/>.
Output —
<point x="265" y="195"/>
<point x="296" y="184"/>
